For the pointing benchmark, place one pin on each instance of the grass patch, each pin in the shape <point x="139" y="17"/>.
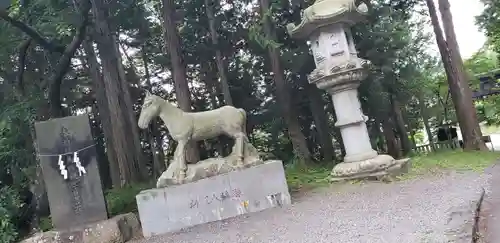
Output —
<point x="456" y="160"/>
<point x="305" y="178"/>
<point x="300" y="178"/>
<point x="46" y="224"/>
<point x="122" y="200"/>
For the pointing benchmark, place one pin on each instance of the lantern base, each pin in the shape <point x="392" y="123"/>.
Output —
<point x="377" y="167"/>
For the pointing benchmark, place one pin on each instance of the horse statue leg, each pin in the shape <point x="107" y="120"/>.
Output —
<point x="180" y="159"/>
<point x="240" y="147"/>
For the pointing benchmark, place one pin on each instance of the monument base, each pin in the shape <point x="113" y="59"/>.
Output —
<point x="169" y="209"/>
<point x="118" y="229"/>
<point x="377" y="167"/>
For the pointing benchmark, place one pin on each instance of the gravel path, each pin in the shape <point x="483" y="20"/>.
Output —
<point x="489" y="225"/>
<point x="404" y="212"/>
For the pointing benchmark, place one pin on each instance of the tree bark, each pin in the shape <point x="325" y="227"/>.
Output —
<point x="400" y="126"/>
<point x="466" y="111"/>
<point x="298" y="139"/>
<point x="104" y="113"/>
<point x="173" y="46"/>
<point x="154" y="134"/>
<point x="393" y="148"/>
<point x="425" y="118"/>
<point x="23" y="52"/>
<point x="378" y="140"/>
<point x="411" y="132"/>
<point x="128" y="109"/>
<point x="461" y="93"/>
<point x="155" y="139"/>
<point x="102" y="158"/>
<point x="208" y="76"/>
<point x="127" y="147"/>
<point x="321" y="121"/>
<point x="218" y="54"/>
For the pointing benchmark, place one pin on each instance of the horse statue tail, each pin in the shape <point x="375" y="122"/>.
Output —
<point x="244" y="125"/>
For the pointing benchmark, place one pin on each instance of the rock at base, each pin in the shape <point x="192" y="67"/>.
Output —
<point x="210" y="167"/>
<point x="169" y="209"/>
<point x="118" y="229"/>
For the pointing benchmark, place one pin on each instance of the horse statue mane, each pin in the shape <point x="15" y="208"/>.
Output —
<point x="185" y="127"/>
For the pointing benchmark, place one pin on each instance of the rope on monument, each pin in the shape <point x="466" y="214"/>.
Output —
<point x="56" y="155"/>
<point x="76" y="160"/>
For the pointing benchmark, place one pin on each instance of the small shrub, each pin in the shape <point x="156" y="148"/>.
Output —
<point x="9" y="208"/>
<point x="122" y="200"/>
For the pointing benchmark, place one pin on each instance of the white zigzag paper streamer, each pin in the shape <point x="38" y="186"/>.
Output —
<point x="62" y="168"/>
<point x="76" y="160"/>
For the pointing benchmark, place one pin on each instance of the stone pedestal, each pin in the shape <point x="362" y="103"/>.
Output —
<point x="339" y="71"/>
<point x="169" y="209"/>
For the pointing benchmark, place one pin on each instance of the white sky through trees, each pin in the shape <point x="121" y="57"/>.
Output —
<point x="470" y="38"/>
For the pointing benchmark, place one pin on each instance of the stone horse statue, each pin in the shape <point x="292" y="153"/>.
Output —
<point x="185" y="127"/>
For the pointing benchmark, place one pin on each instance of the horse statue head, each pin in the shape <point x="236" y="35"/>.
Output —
<point x="149" y="110"/>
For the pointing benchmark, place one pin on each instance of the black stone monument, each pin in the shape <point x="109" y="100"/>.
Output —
<point x="73" y="183"/>
<point x="4" y="4"/>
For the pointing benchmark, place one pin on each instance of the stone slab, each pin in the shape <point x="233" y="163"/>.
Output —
<point x="77" y="200"/>
<point x="169" y="209"/>
<point x="118" y="229"/>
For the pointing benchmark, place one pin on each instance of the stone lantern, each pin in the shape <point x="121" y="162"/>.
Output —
<point x="339" y="71"/>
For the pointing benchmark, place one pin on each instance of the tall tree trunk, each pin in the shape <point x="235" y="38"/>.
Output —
<point x="321" y="121"/>
<point x="103" y="109"/>
<point x="411" y="132"/>
<point x="425" y="118"/>
<point x="466" y="111"/>
<point x="127" y="148"/>
<point x="128" y="109"/>
<point x="377" y="136"/>
<point x="390" y="138"/>
<point x="218" y="54"/>
<point x="400" y="126"/>
<point x="173" y="46"/>
<point x="282" y="90"/>
<point x="457" y="80"/>
<point x="208" y="77"/>
<point x="154" y="136"/>
<point x="97" y="132"/>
